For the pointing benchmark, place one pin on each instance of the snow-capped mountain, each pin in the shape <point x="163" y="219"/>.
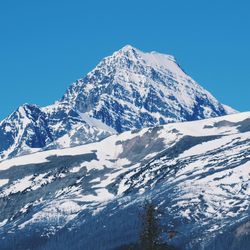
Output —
<point x="30" y="129"/>
<point x="196" y="172"/>
<point x="127" y="90"/>
<point x="25" y="129"/>
<point x="132" y="89"/>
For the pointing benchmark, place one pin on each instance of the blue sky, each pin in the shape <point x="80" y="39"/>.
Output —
<point x="46" y="45"/>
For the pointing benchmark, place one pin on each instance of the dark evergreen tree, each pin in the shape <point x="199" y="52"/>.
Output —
<point x="151" y="231"/>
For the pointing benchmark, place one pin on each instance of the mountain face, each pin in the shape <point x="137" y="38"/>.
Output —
<point x="132" y="90"/>
<point x="25" y="129"/>
<point x="30" y="129"/>
<point x="196" y="172"/>
<point x="127" y="90"/>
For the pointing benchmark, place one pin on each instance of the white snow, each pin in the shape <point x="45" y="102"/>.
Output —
<point x="205" y="147"/>
<point x="229" y="109"/>
<point x="76" y="169"/>
<point x="56" y="211"/>
<point x="108" y="146"/>
<point x="164" y="62"/>
<point x="2" y="223"/>
<point x="18" y="186"/>
<point x="102" y="194"/>
<point x="3" y="182"/>
<point x="7" y="129"/>
<point x="96" y="123"/>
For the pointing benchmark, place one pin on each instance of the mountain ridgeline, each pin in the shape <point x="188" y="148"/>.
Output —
<point x="128" y="90"/>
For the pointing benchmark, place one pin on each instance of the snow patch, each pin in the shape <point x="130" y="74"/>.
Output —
<point x="3" y="182"/>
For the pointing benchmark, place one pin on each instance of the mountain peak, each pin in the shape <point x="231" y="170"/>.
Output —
<point x="28" y="110"/>
<point x="27" y="106"/>
<point x="127" y="48"/>
<point x="154" y="54"/>
<point x="133" y="89"/>
<point x="153" y="59"/>
<point x="127" y="51"/>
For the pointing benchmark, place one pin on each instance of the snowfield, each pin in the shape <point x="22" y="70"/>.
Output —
<point x="196" y="171"/>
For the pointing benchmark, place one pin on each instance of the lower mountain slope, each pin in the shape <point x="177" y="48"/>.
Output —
<point x="89" y="197"/>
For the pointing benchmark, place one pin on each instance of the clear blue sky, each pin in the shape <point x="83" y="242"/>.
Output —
<point x="46" y="45"/>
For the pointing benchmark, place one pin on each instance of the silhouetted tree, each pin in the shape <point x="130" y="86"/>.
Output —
<point x="151" y="231"/>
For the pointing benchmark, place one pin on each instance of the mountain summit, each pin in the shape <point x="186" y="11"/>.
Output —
<point x="128" y="90"/>
<point x="132" y="89"/>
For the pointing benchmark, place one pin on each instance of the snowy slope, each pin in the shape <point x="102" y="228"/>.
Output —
<point x="198" y="172"/>
<point x="132" y="89"/>
<point x="30" y="129"/>
<point x="127" y="90"/>
<point x="24" y="130"/>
